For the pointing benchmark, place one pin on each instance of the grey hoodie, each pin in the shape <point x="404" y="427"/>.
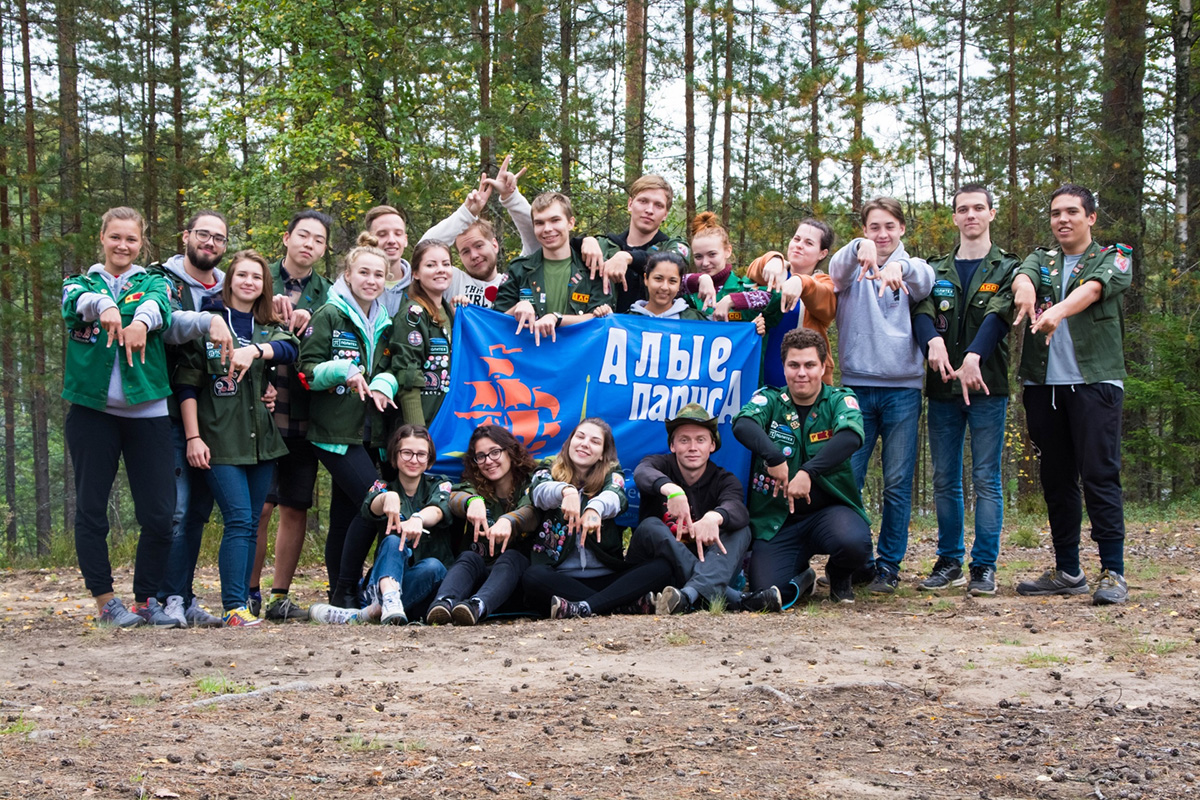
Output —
<point x="187" y="326"/>
<point x="677" y="308"/>
<point x="876" y="346"/>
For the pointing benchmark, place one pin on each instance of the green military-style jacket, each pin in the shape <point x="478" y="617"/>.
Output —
<point x="958" y="312"/>
<point x="234" y="423"/>
<point x="526" y="280"/>
<point x="315" y="293"/>
<point x="1098" y="331"/>
<point x="90" y="362"/>
<point x="433" y="490"/>
<point x="772" y="314"/>
<point x="421" y="355"/>
<point x="334" y="340"/>
<point x="523" y="517"/>
<point x="554" y="544"/>
<point x="800" y="440"/>
<point x="181" y="300"/>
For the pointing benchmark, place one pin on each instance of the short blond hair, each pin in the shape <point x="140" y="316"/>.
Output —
<point x="649" y="182"/>
<point x="888" y="205"/>
<point x="547" y="199"/>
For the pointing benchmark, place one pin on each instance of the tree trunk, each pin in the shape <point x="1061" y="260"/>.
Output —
<point x="958" y="94"/>
<point x="150" y="175"/>
<point x="926" y="126"/>
<point x="38" y="398"/>
<point x="713" y="100"/>
<point x="484" y="31"/>
<point x="635" y="88"/>
<point x="689" y="104"/>
<point x="1181" y="30"/>
<point x="178" y="173"/>
<point x="566" y="19"/>
<point x="749" y="128"/>
<point x="1011" y="30"/>
<point x="727" y="143"/>
<point x="814" y="111"/>
<point x="8" y="330"/>
<point x="858" y="105"/>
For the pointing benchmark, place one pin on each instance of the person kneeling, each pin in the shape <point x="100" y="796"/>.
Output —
<point x="803" y="498"/>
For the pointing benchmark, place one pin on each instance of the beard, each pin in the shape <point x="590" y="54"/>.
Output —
<point x="201" y="260"/>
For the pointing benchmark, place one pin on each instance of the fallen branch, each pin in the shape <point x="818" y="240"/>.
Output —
<point x="298" y="686"/>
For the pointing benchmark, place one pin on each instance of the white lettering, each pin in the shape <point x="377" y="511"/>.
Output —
<point x="733" y="401"/>
<point x="697" y="353"/>
<point x="647" y="366"/>
<point x="722" y="349"/>
<point x="614" y="357"/>
<point x="679" y="399"/>
<point x="678" y="360"/>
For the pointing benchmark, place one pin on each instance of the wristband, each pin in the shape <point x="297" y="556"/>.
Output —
<point x="673" y="495"/>
<point x="260" y="351"/>
<point x="558" y="318"/>
<point x="193" y="437"/>
<point x="472" y="499"/>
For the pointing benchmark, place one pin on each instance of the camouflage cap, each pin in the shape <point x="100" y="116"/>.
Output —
<point x="694" y="414"/>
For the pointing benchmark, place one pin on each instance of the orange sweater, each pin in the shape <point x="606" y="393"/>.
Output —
<point x="818" y="297"/>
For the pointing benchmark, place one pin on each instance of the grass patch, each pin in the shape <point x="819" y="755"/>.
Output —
<point x="1039" y="658"/>
<point x="1012" y="642"/>
<point x="219" y="683"/>
<point x="717" y="605"/>
<point x="142" y="700"/>
<point x="1156" y="647"/>
<point x="1025" y="536"/>
<point x="357" y="743"/>
<point x="941" y="605"/>
<point x="677" y="638"/>
<point x="1143" y="569"/>
<point x="970" y="665"/>
<point x="19" y="725"/>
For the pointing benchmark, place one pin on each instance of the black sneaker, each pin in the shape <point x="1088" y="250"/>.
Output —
<point x="864" y="575"/>
<point x="642" y="605"/>
<point x="1110" y="589"/>
<point x="946" y="573"/>
<point x="983" y="581"/>
<point x="841" y="589"/>
<point x="439" y="612"/>
<point x="884" y="583"/>
<point x="468" y="612"/>
<point x="673" y="601"/>
<point x="565" y="609"/>
<point x="254" y="603"/>
<point x="768" y="599"/>
<point x="1054" y="581"/>
<point x="282" y="609"/>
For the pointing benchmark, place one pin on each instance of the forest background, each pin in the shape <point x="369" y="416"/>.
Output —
<point x="764" y="111"/>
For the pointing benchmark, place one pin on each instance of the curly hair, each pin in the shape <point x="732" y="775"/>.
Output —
<point x="591" y="481"/>
<point x="522" y="463"/>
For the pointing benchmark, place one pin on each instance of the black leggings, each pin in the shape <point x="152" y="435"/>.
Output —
<point x="602" y="593"/>
<point x="494" y="584"/>
<point x="98" y="441"/>
<point x="352" y="474"/>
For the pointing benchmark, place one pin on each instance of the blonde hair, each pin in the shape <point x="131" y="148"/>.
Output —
<point x="706" y="224"/>
<point x="648" y="183"/>
<point x="547" y="199"/>
<point x="124" y="213"/>
<point x="367" y="245"/>
<point x="381" y="211"/>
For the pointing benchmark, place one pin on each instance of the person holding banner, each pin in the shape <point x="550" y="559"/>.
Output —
<point x="805" y="294"/>
<point x="692" y="515"/>
<point x="494" y="500"/>
<point x="581" y="491"/>
<point x="344" y="364"/>
<point x="411" y="559"/>
<point x="737" y="299"/>
<point x="803" y="497"/>
<point x="421" y="335"/>
<point x="551" y="287"/>
<point x="664" y="277"/>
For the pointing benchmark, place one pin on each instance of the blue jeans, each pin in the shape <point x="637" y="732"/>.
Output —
<point x="893" y="415"/>
<point x="948" y="423"/>
<point x="417" y="581"/>
<point x="240" y="491"/>
<point x="193" y="507"/>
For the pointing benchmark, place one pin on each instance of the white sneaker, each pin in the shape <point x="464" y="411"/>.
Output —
<point x="393" y="610"/>
<point x="332" y="615"/>
<point x="174" y="610"/>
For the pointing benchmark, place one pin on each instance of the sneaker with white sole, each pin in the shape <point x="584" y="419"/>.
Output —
<point x="197" y="617"/>
<point x="393" y="609"/>
<point x="326" y="614"/>
<point x="115" y="613"/>
<point x="1110" y="589"/>
<point x="1054" y="581"/>
<point x="947" y="573"/>
<point x="154" y="614"/>
<point x="240" y="618"/>
<point x="174" y="610"/>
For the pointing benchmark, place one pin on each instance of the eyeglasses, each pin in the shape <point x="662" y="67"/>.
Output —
<point x="491" y="455"/>
<point x="203" y="236"/>
<point x="414" y="455"/>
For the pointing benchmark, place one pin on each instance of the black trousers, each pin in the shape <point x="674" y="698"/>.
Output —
<point x="98" y="441"/>
<point x="603" y="593"/>
<point x="838" y="531"/>
<point x="352" y="474"/>
<point x="1076" y="431"/>
<point x="470" y="575"/>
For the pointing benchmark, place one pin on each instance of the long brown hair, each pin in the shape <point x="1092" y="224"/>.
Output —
<point x="591" y="481"/>
<point x="263" y="309"/>
<point x="522" y="463"/>
<point x="415" y="290"/>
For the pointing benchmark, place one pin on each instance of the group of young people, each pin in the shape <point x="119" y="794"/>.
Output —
<point x="231" y="387"/>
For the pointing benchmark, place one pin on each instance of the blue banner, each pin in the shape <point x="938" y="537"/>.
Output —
<point x="631" y="371"/>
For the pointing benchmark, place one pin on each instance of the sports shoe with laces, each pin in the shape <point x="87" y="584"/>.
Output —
<point x="673" y="601"/>
<point x="983" y="581"/>
<point x="174" y="610"/>
<point x="325" y="614"/>
<point x="642" y="605"/>
<point x="255" y="603"/>
<point x="565" y="609"/>
<point x="841" y="589"/>
<point x="439" y="612"/>
<point x="240" y="617"/>
<point x="1054" y="581"/>
<point x="154" y="614"/>
<point x="392" y="609"/>
<point x="946" y="573"/>
<point x="884" y="582"/>
<point x="768" y="599"/>
<point x="1110" y="589"/>
<point x="115" y="613"/>
<point x="197" y="617"/>
<point x="468" y="612"/>
<point x="282" y="609"/>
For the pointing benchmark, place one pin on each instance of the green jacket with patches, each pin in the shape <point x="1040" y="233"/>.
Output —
<point x="336" y="340"/>
<point x="771" y="314"/>
<point x="433" y="490"/>
<point x="526" y="280"/>
<point x="90" y="362"/>
<point x="800" y="440"/>
<point x="521" y="514"/>
<point x="421" y="355"/>
<point x="553" y="544"/>
<point x="315" y="293"/>
<point x="1098" y="331"/>
<point x="234" y="423"/>
<point x="958" y="312"/>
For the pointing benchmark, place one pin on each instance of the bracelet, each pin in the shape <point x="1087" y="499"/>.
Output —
<point x="473" y="498"/>
<point x="193" y="437"/>
<point x="673" y="495"/>
<point x="260" y="350"/>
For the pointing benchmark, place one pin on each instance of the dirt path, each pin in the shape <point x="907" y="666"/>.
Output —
<point x="905" y="697"/>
